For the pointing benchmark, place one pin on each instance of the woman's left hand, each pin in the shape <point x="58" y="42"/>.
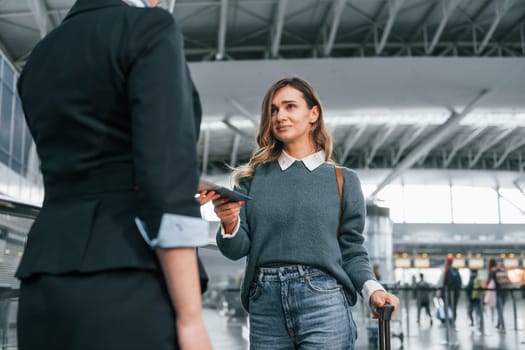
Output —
<point x="380" y="298"/>
<point x="207" y="196"/>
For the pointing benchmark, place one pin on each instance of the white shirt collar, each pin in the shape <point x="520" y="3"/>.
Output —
<point x="136" y="3"/>
<point x="311" y="162"/>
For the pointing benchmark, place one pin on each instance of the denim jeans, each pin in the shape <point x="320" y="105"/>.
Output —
<point x="299" y="307"/>
<point x="501" y="297"/>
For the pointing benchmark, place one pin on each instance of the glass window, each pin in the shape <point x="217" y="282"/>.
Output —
<point x="5" y="121"/>
<point x="18" y="138"/>
<point x="8" y="76"/>
<point x="512" y="206"/>
<point x="392" y="197"/>
<point x="474" y="205"/>
<point x="427" y="204"/>
<point x="28" y="144"/>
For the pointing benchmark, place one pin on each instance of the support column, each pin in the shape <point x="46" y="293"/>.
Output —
<point x="379" y="241"/>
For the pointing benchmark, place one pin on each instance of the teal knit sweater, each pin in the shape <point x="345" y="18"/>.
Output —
<point x="293" y="219"/>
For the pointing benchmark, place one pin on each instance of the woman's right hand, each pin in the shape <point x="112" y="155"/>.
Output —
<point x="228" y="212"/>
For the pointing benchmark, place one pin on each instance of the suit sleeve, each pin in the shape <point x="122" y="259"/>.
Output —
<point x="351" y="239"/>
<point x="165" y="118"/>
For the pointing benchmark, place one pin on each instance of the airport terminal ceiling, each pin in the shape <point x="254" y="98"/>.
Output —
<point x="433" y="84"/>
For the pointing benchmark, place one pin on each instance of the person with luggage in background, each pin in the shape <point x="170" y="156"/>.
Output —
<point x="498" y="276"/>
<point x="450" y="283"/>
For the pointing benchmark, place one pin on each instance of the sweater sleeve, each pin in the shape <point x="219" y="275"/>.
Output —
<point x="237" y="246"/>
<point x="355" y="256"/>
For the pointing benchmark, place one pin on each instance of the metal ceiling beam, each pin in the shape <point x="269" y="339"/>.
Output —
<point x="372" y="20"/>
<point x="447" y="7"/>
<point x="268" y="23"/>
<point x="378" y="141"/>
<point x="278" y="27"/>
<point x="423" y="22"/>
<point x="235" y="150"/>
<point x="409" y="138"/>
<point x="40" y="13"/>
<point x="223" y="22"/>
<point x="351" y="139"/>
<point x="512" y="28"/>
<point x="6" y="52"/>
<point x="337" y="11"/>
<point x="461" y="142"/>
<point x="227" y="121"/>
<point x="489" y="143"/>
<point x="243" y="111"/>
<point x="439" y="134"/>
<point x="420" y="46"/>
<point x="509" y="201"/>
<point x="500" y="12"/>
<point x="393" y="8"/>
<point x="205" y="151"/>
<point x="510" y="147"/>
<point x="522" y="36"/>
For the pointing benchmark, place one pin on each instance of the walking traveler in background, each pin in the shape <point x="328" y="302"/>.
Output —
<point x="423" y="292"/>
<point x="450" y="282"/>
<point x="110" y="262"/>
<point x="306" y="261"/>
<point x="498" y="278"/>
<point x="474" y="295"/>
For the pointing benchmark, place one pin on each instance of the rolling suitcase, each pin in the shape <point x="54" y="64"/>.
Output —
<point x="384" y="316"/>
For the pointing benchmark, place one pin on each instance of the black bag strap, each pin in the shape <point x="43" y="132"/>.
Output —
<point x="340" y="184"/>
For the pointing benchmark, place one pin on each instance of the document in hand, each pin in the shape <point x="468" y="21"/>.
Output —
<point x="234" y="196"/>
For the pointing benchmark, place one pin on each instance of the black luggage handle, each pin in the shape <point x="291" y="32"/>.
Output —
<point x="384" y="316"/>
<point x="385" y="312"/>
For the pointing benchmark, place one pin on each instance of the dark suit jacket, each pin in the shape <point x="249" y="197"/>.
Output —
<point x="115" y="117"/>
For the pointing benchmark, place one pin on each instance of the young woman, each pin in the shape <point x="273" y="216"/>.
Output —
<point x="305" y="262"/>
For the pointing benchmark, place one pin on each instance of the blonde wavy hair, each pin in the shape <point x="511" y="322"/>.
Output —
<point x="268" y="147"/>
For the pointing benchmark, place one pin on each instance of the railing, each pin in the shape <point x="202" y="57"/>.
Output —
<point x="408" y="295"/>
<point x="16" y="218"/>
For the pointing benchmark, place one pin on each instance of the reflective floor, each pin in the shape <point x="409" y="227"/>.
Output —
<point x="226" y="333"/>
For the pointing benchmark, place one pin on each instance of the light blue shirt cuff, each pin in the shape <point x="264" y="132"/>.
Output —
<point x="177" y="231"/>
<point x="231" y="235"/>
<point x="370" y="287"/>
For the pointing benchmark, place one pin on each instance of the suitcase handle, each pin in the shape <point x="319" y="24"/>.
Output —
<point x="385" y="312"/>
<point x="384" y="315"/>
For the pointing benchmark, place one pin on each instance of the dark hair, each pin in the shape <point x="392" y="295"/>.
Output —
<point x="492" y="263"/>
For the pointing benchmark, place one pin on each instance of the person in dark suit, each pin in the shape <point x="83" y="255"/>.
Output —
<point x="110" y="261"/>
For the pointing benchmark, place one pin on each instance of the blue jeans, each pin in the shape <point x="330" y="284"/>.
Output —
<point x="501" y="297"/>
<point x="299" y="307"/>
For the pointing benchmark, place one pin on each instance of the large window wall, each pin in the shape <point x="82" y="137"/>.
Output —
<point x="441" y="204"/>
<point x="451" y="204"/>
<point x="19" y="174"/>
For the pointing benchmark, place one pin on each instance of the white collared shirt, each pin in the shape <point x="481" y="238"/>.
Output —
<point x="311" y="162"/>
